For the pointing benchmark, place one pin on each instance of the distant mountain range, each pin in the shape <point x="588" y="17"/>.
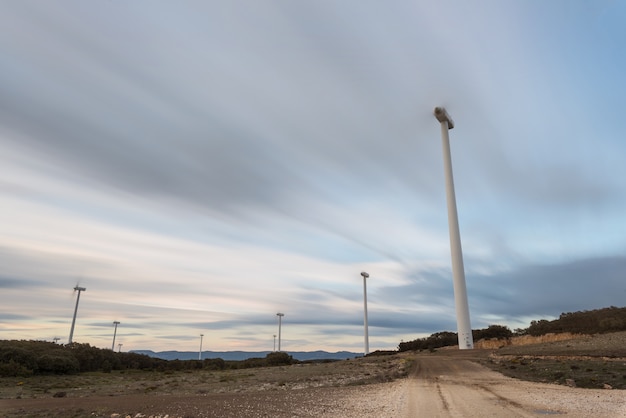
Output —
<point x="243" y="355"/>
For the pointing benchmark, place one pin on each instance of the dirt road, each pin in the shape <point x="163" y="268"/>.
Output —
<point x="442" y="386"/>
<point x="451" y="387"/>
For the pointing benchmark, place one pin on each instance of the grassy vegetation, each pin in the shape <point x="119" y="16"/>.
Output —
<point x="584" y="373"/>
<point x="587" y="361"/>
<point x="202" y="381"/>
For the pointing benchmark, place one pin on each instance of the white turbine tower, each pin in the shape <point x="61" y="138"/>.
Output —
<point x="366" y="337"/>
<point x="280" y="317"/>
<point x="200" y="352"/>
<point x="464" y="328"/>
<point x="115" y="323"/>
<point x="79" y="289"/>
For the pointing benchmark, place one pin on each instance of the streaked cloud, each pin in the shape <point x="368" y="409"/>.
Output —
<point x="200" y="166"/>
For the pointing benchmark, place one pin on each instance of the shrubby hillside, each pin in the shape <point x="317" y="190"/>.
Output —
<point x="596" y="321"/>
<point x="445" y="338"/>
<point x="25" y="358"/>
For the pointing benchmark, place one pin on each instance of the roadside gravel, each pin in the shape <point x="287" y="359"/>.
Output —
<point x="485" y="389"/>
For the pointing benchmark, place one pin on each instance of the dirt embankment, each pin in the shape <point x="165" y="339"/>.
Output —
<point x="494" y="344"/>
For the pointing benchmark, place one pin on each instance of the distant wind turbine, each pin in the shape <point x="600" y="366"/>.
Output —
<point x="79" y="289"/>
<point x="116" y="323"/>
<point x="280" y="317"/>
<point x="366" y="336"/>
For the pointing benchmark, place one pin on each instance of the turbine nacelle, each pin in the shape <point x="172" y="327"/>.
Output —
<point x="442" y="116"/>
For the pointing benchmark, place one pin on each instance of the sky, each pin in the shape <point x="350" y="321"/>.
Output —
<point x="199" y="166"/>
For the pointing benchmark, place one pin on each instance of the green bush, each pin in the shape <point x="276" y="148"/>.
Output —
<point x="14" y="353"/>
<point x="278" y="358"/>
<point x="13" y="369"/>
<point x="57" y="364"/>
<point x="107" y="367"/>
<point x="214" y="364"/>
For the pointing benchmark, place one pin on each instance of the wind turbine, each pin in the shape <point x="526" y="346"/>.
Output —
<point x="466" y="341"/>
<point x="79" y="289"/>
<point x="366" y="337"/>
<point x="280" y="317"/>
<point x="200" y="352"/>
<point x="116" y="323"/>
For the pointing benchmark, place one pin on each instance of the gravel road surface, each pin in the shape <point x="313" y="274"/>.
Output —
<point x="456" y="387"/>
